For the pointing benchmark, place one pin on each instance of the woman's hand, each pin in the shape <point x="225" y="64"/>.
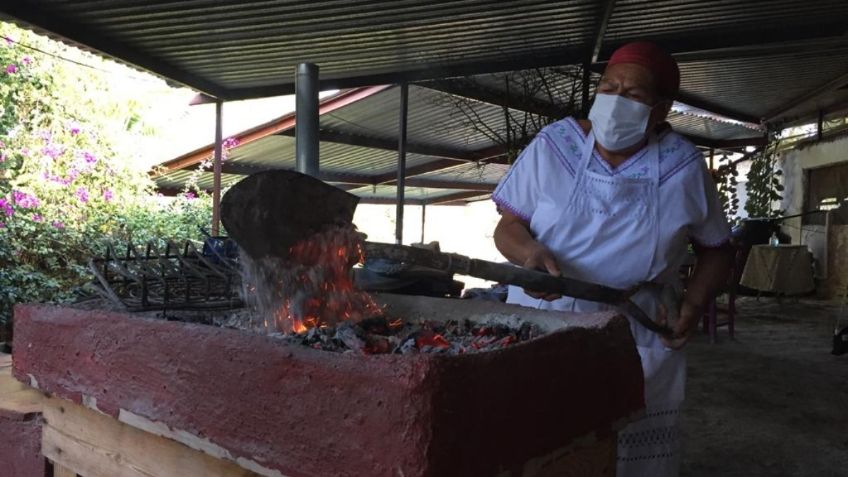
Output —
<point x="690" y="315"/>
<point x="514" y="241"/>
<point x="540" y="258"/>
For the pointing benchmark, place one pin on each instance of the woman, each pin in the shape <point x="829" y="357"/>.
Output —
<point x="616" y="200"/>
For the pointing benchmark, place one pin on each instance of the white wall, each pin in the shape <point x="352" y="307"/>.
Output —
<point x="831" y="256"/>
<point x="466" y="230"/>
<point x="794" y="164"/>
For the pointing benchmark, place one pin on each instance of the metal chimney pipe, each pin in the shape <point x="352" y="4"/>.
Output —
<point x="306" y="118"/>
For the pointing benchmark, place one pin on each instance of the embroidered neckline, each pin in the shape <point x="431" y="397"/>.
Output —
<point x="597" y="156"/>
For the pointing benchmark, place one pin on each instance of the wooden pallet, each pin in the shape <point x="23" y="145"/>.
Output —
<point x="80" y="441"/>
<point x="86" y="443"/>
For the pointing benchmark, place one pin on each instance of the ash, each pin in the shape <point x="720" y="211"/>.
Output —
<point x="380" y="335"/>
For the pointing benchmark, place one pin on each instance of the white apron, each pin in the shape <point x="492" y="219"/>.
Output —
<point x="606" y="230"/>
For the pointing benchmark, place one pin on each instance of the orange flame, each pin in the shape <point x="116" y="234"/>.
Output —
<point x="318" y="287"/>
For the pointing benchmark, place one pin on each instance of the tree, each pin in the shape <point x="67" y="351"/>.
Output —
<point x="67" y="186"/>
<point x="765" y="185"/>
<point x="529" y="100"/>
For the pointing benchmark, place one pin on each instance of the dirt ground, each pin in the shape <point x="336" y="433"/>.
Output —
<point x="774" y="401"/>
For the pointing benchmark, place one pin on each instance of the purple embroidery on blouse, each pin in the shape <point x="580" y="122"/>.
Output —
<point x="600" y="160"/>
<point x="679" y="167"/>
<point x="552" y="145"/>
<point x="506" y="205"/>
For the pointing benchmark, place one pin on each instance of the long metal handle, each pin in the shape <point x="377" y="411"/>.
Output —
<point x="512" y="275"/>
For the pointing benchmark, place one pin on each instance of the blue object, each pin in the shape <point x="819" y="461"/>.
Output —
<point x="215" y="248"/>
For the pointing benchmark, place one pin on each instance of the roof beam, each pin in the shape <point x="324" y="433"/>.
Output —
<point x="388" y="201"/>
<point x="240" y="169"/>
<point x="451" y="198"/>
<point x="551" y="57"/>
<point x="440" y="184"/>
<point x="358" y="181"/>
<point x="726" y="143"/>
<point x="336" y="137"/>
<point x="273" y="127"/>
<point x="806" y="98"/>
<point x="491" y="155"/>
<point x="87" y="38"/>
<point x="602" y="31"/>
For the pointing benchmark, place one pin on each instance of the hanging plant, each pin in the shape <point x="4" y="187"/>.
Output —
<point x="765" y="184"/>
<point x="727" y="180"/>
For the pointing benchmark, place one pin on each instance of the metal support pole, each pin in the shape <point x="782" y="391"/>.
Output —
<point x="401" y="171"/>
<point x="216" y="168"/>
<point x="306" y="119"/>
<point x="423" y="220"/>
<point x="820" y="124"/>
<point x="712" y="159"/>
<point x="584" y="99"/>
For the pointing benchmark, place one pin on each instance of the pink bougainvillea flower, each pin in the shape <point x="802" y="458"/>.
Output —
<point x="24" y="200"/>
<point x="82" y="194"/>
<point x="58" y="225"/>
<point x="9" y="41"/>
<point x="108" y="195"/>
<point x="2" y="225"/>
<point x="7" y="208"/>
<point x="73" y="173"/>
<point x="52" y="151"/>
<point x="74" y="128"/>
<point x="37" y="218"/>
<point x="190" y="195"/>
<point x="11" y="69"/>
<point x="230" y="142"/>
<point x="88" y="157"/>
<point x="27" y="60"/>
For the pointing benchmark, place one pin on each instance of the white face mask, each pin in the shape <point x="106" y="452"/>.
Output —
<point x="618" y="122"/>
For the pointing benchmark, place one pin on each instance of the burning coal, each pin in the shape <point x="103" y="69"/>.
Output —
<point x="311" y="288"/>
<point x="382" y="335"/>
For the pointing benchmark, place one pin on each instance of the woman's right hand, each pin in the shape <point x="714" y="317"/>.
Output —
<point x="542" y="259"/>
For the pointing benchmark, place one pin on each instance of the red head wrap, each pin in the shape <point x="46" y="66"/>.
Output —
<point x="658" y="62"/>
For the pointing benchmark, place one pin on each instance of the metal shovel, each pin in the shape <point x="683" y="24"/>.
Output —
<point x="268" y="212"/>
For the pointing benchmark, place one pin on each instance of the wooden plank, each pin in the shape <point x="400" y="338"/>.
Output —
<point x="62" y="471"/>
<point x="96" y="445"/>
<point x="16" y="398"/>
<point x="23" y="402"/>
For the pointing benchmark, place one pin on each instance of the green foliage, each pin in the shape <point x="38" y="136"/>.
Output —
<point x="765" y="185"/>
<point x="67" y="184"/>
<point x="727" y="179"/>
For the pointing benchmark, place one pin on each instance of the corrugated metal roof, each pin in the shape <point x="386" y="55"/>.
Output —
<point x="366" y="161"/>
<point x="744" y="59"/>
<point x="249" y="48"/>
<point x="673" y="19"/>
<point x="759" y="85"/>
<point x="708" y="128"/>
<point x="432" y="119"/>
